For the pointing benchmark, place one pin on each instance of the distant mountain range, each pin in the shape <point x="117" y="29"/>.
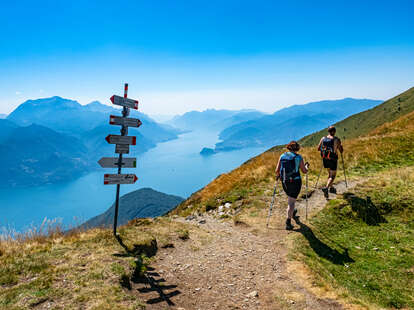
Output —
<point x="290" y="123"/>
<point x="3" y="116"/>
<point x="212" y="119"/>
<point x="56" y="139"/>
<point x="144" y="202"/>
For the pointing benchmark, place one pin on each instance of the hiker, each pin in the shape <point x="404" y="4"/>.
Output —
<point x="288" y="171"/>
<point x="329" y="147"/>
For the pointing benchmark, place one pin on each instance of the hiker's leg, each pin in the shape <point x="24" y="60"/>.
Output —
<point x="332" y="176"/>
<point x="291" y="207"/>
<point x="329" y="178"/>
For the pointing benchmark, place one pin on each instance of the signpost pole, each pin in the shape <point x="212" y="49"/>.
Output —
<point x="124" y="131"/>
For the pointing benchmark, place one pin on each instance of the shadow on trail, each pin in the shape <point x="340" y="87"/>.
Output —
<point x="322" y="249"/>
<point x="146" y="278"/>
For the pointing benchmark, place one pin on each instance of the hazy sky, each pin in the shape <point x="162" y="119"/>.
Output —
<point x="184" y="55"/>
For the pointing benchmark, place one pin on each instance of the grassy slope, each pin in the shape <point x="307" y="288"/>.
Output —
<point x="82" y="270"/>
<point x="364" y="122"/>
<point x="373" y="228"/>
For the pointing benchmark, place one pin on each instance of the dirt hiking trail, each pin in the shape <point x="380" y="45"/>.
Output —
<point x="224" y="265"/>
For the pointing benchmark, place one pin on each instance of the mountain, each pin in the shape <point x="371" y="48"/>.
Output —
<point x="6" y="128"/>
<point x="37" y="155"/>
<point x="144" y="202"/>
<point x="86" y="126"/>
<point x="212" y="119"/>
<point x="362" y="123"/>
<point x="70" y="117"/>
<point x="2" y="116"/>
<point x="290" y="123"/>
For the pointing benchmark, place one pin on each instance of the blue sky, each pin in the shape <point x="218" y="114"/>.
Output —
<point x="184" y="55"/>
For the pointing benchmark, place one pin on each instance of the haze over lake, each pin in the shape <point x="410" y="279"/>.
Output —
<point x="174" y="167"/>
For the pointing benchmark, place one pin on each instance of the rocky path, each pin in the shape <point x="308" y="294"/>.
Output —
<point x="228" y="266"/>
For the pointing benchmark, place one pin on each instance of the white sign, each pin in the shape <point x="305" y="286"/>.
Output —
<point x="124" y="121"/>
<point x="112" y="162"/>
<point x="120" y="179"/>
<point x="117" y="139"/>
<point x="125" y="102"/>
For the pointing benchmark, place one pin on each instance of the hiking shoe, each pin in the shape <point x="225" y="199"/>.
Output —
<point x="332" y="190"/>
<point x="325" y="192"/>
<point x="289" y="225"/>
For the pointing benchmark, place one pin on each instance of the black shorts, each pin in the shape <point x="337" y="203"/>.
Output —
<point x="292" y="189"/>
<point x="330" y="163"/>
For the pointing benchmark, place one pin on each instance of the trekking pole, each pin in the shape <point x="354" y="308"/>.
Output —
<point x="271" y="204"/>
<point x="306" y="196"/>
<point x="319" y="175"/>
<point x="343" y="166"/>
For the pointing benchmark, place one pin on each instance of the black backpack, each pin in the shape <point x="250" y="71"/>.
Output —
<point x="327" y="149"/>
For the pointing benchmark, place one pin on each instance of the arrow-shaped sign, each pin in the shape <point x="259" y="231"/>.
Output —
<point x="117" y="139"/>
<point x="120" y="179"/>
<point x="112" y="162"/>
<point x="124" y="121"/>
<point x="125" y="102"/>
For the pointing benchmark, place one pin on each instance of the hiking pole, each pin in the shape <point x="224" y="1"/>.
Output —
<point x="343" y="166"/>
<point x="271" y="204"/>
<point x="319" y="175"/>
<point x="306" y="196"/>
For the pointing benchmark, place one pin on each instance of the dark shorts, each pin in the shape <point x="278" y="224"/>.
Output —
<point x="292" y="189"/>
<point x="330" y="163"/>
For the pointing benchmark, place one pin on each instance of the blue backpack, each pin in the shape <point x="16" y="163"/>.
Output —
<point x="288" y="169"/>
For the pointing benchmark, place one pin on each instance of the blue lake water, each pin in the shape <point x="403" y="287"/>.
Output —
<point x="174" y="167"/>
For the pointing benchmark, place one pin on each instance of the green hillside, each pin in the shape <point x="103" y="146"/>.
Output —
<point x="362" y="123"/>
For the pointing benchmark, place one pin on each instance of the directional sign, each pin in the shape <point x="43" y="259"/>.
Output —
<point x="112" y="162"/>
<point x="125" y="102"/>
<point x="122" y="149"/>
<point x="117" y="139"/>
<point x="120" y="179"/>
<point x="124" y="121"/>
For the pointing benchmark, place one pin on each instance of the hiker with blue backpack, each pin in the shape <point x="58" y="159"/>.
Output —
<point x="329" y="147"/>
<point x="288" y="171"/>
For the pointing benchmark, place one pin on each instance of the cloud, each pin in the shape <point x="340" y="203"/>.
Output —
<point x="18" y="93"/>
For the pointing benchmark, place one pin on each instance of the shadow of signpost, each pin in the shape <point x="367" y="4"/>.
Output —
<point x="150" y="280"/>
<point x="322" y="249"/>
<point x="153" y="283"/>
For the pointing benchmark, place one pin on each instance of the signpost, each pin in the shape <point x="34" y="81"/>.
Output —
<point x="122" y="143"/>
<point x="125" y="102"/>
<point x="124" y="121"/>
<point x="116" y="139"/>
<point x="120" y="178"/>
<point x="112" y="162"/>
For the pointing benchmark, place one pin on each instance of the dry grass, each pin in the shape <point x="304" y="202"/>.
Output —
<point x="84" y="269"/>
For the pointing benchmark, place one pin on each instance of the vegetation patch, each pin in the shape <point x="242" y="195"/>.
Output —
<point x="364" y="241"/>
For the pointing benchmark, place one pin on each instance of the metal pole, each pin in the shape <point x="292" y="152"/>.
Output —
<point x="343" y="167"/>
<point x="124" y="131"/>
<point x="306" y="196"/>
<point x="319" y="175"/>
<point x="271" y="204"/>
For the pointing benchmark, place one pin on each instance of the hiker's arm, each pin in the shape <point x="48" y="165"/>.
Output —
<point x="320" y="144"/>
<point x="339" y="145"/>
<point x="303" y="167"/>
<point x="277" y="171"/>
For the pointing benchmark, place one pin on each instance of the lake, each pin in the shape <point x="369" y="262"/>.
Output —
<point x="173" y="167"/>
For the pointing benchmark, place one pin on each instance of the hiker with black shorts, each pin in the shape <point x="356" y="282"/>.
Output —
<point x="287" y="171"/>
<point x="329" y="147"/>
